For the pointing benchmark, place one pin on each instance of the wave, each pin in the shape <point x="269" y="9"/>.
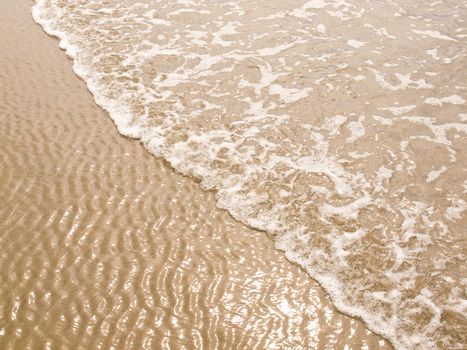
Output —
<point x="300" y="126"/>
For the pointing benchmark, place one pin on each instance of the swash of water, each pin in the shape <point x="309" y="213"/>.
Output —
<point x="336" y="127"/>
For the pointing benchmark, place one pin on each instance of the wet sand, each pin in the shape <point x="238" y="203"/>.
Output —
<point x="102" y="245"/>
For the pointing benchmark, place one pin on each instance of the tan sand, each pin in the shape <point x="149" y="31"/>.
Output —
<point x="102" y="245"/>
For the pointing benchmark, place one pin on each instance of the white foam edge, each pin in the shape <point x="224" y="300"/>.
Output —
<point x="118" y="113"/>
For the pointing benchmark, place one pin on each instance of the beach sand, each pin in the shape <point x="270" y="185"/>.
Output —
<point x="103" y="245"/>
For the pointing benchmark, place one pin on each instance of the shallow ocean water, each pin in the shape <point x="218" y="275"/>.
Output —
<point x="336" y="127"/>
<point x="104" y="246"/>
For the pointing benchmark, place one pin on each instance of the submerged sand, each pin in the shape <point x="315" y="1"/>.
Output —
<point x="335" y="126"/>
<point x="102" y="245"/>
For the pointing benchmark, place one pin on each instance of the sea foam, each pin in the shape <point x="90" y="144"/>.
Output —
<point x="349" y="189"/>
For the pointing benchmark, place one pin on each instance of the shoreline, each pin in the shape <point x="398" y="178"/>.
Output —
<point x="84" y="207"/>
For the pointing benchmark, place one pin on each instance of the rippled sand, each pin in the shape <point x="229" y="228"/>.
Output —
<point x="338" y="127"/>
<point x="103" y="245"/>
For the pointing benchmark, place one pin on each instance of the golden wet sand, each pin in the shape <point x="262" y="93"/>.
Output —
<point x="104" y="246"/>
